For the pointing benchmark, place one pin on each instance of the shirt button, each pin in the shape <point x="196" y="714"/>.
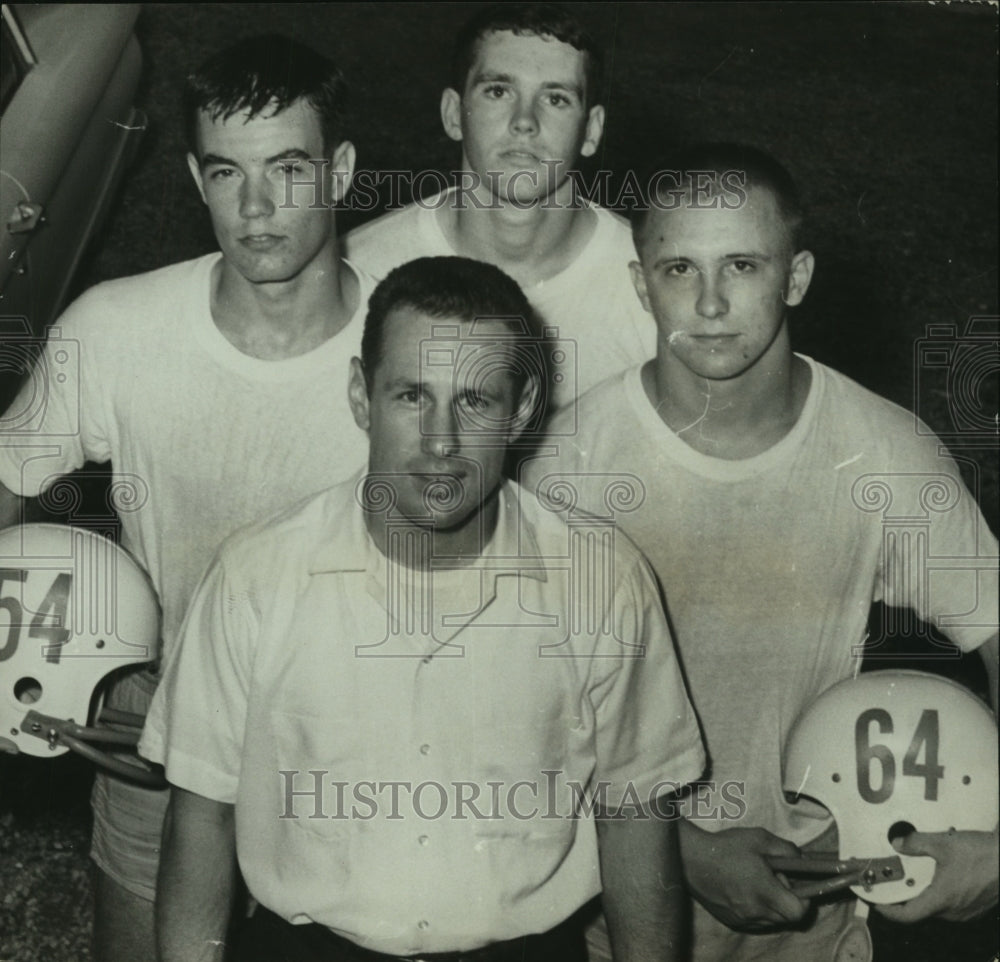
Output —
<point x="425" y="749"/>
<point x="424" y="839"/>
<point x="423" y="924"/>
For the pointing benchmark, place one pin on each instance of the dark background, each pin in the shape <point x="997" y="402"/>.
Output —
<point x="885" y="113"/>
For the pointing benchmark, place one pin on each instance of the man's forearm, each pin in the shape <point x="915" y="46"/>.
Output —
<point x="196" y="879"/>
<point x="645" y="901"/>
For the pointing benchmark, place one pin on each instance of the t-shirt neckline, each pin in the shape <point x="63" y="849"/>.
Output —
<point x="428" y="214"/>
<point x="228" y="355"/>
<point x="721" y="469"/>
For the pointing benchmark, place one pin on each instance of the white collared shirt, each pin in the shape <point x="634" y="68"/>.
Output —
<point x="405" y="749"/>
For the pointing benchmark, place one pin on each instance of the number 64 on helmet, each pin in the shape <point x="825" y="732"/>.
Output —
<point x="74" y="607"/>
<point x="888" y="753"/>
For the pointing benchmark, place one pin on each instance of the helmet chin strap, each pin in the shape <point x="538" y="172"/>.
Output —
<point x="84" y="740"/>
<point x="835" y="874"/>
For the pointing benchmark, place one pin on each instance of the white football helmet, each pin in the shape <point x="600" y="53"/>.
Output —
<point x="888" y="753"/>
<point x="74" y="607"/>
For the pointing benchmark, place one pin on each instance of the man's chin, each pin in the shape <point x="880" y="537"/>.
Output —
<point x="450" y="522"/>
<point x="439" y="522"/>
<point x="276" y="275"/>
<point x="261" y="270"/>
<point x="520" y="202"/>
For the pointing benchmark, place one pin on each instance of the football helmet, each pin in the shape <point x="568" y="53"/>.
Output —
<point x="74" y="607"/>
<point x="888" y="753"/>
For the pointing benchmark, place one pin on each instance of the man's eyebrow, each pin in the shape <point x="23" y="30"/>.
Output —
<point x="486" y="76"/>
<point x="671" y="259"/>
<point x="289" y="153"/>
<point x="572" y="88"/>
<point x="404" y="381"/>
<point x="217" y="160"/>
<point x="749" y="255"/>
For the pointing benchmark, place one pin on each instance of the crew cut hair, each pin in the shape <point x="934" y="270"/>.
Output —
<point x="264" y="75"/>
<point x="450" y="288"/>
<point x="528" y="20"/>
<point x="689" y="165"/>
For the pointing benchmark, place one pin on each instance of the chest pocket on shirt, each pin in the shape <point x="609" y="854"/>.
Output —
<point x="320" y="761"/>
<point x="523" y="780"/>
<point x="528" y="830"/>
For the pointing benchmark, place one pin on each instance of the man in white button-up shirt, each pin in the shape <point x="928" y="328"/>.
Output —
<point x="402" y="703"/>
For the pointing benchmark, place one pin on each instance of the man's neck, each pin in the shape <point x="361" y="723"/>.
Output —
<point x="427" y="548"/>
<point x="531" y="244"/>
<point x="730" y="419"/>
<point x="279" y="320"/>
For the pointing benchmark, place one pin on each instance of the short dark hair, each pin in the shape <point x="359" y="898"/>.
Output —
<point x="531" y="20"/>
<point x="688" y="166"/>
<point x="265" y="72"/>
<point x="455" y="287"/>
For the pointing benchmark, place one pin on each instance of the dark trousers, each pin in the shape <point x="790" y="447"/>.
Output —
<point x="265" y="937"/>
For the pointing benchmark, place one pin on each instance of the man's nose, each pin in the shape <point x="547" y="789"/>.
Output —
<point x="712" y="301"/>
<point x="524" y="119"/>
<point x="255" y="198"/>
<point x="440" y="429"/>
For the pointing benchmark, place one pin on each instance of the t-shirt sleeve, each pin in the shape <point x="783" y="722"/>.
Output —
<point x="196" y="723"/>
<point x="648" y="740"/>
<point x="58" y="419"/>
<point x="938" y="556"/>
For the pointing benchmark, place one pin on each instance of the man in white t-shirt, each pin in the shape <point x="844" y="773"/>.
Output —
<point x="381" y="701"/>
<point x="754" y="471"/>
<point x="523" y="104"/>
<point x="217" y="388"/>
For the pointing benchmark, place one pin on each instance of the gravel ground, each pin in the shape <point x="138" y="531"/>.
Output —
<point x="45" y="896"/>
<point x="887" y="114"/>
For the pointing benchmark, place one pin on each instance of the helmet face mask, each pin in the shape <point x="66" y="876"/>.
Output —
<point x="891" y="752"/>
<point x="74" y="607"/>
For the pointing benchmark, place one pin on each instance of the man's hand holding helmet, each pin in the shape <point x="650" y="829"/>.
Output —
<point x="729" y="874"/>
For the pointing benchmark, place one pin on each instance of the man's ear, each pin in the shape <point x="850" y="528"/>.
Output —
<point x="527" y="406"/>
<point x="341" y="171"/>
<point x="451" y="113"/>
<point x="639" y="283"/>
<point x="357" y="395"/>
<point x="195" y="169"/>
<point x="593" y="131"/>
<point x="799" y="276"/>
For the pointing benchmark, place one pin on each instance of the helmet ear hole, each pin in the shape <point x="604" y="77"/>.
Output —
<point x="27" y="690"/>
<point x="899" y="830"/>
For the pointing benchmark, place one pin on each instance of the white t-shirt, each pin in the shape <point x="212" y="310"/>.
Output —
<point x="770" y="564"/>
<point x="602" y="324"/>
<point x="203" y="439"/>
